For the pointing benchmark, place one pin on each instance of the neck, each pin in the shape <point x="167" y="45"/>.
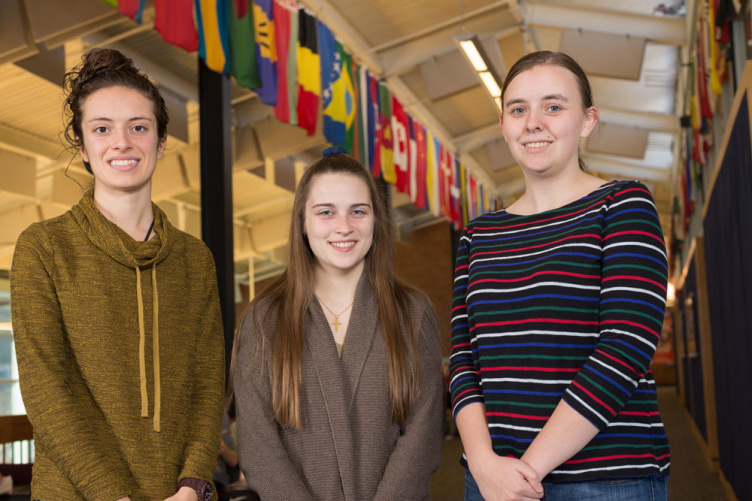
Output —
<point x="131" y="212"/>
<point x="544" y="193"/>
<point x="336" y="290"/>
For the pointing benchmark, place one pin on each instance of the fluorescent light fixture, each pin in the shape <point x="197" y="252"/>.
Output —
<point x="472" y="49"/>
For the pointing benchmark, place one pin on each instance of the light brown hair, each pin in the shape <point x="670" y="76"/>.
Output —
<point x="293" y="291"/>
<point x="542" y="57"/>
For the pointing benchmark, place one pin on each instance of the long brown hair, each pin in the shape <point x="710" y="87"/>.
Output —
<point x="292" y="292"/>
<point x="541" y="57"/>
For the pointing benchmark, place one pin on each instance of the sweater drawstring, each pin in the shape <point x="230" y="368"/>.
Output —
<point x="155" y="348"/>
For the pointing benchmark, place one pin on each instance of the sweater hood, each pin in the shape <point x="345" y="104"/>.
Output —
<point x="116" y="243"/>
<point x="138" y="256"/>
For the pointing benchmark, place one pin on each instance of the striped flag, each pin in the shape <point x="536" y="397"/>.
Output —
<point x="243" y="45"/>
<point x="401" y="146"/>
<point x="266" y="51"/>
<point x="214" y="33"/>
<point x="309" y="73"/>
<point x="387" y="138"/>
<point x="286" y="32"/>
<point x="418" y="170"/>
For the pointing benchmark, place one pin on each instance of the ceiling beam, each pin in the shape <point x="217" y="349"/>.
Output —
<point x="643" y="120"/>
<point x="666" y="30"/>
<point x="28" y="143"/>
<point x="624" y="170"/>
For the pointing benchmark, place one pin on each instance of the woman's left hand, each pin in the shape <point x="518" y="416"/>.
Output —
<point x="184" y="494"/>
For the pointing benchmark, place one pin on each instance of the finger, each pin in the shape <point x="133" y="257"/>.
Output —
<point x="531" y="476"/>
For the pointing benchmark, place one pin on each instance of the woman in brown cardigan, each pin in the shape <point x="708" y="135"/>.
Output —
<point x="338" y="375"/>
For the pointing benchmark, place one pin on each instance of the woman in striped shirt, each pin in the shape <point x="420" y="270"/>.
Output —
<point x="558" y="306"/>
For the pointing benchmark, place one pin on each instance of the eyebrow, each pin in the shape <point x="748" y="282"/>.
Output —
<point x="548" y="97"/>
<point x="330" y="204"/>
<point x="106" y="119"/>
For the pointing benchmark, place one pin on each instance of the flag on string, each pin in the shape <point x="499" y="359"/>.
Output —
<point x="214" y="33"/>
<point x="418" y="171"/>
<point x="286" y="39"/>
<point x="309" y="72"/>
<point x="387" y="137"/>
<point x="243" y="45"/>
<point x="266" y="51"/>
<point x="173" y="20"/>
<point x="111" y="3"/>
<point x="400" y="146"/>
<point x="432" y="175"/>
<point x="362" y="117"/>
<point x="374" y="127"/>
<point x="454" y="191"/>
<point x="463" y="195"/>
<point x="332" y="92"/>
<point x="444" y="180"/>
<point x="348" y="103"/>
<point x="132" y="8"/>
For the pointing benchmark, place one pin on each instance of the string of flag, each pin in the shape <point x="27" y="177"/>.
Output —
<point x="295" y="64"/>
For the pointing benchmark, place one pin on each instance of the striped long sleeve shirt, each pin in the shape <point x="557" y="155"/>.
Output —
<point x="565" y="304"/>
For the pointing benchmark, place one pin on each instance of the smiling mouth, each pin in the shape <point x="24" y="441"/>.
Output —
<point x="537" y="144"/>
<point x="123" y="163"/>
<point x="342" y="245"/>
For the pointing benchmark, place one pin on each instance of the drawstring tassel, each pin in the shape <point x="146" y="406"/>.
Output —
<point x="155" y="342"/>
<point x="141" y="346"/>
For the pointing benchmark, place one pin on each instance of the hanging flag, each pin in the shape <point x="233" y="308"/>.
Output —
<point x="374" y="127"/>
<point x="356" y="125"/>
<point x="365" y="129"/>
<point x="214" y="33"/>
<point x="345" y="106"/>
<point x="400" y="146"/>
<point x="309" y="72"/>
<point x="286" y="38"/>
<point x="243" y="45"/>
<point x="332" y="92"/>
<point x="266" y="51"/>
<point x="173" y="20"/>
<point x="387" y="137"/>
<point x="418" y="171"/>
<point x="111" y="3"/>
<point x="132" y="8"/>
<point x="463" y="195"/>
<point x="454" y="192"/>
<point x="432" y="174"/>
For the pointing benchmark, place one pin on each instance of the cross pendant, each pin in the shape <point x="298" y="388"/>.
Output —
<point x="336" y="324"/>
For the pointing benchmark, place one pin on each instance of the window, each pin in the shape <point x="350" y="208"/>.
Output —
<point x="10" y="393"/>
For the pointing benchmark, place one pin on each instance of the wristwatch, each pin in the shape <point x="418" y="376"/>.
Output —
<point x="202" y="487"/>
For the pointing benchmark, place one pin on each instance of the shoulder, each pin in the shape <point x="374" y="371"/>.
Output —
<point x="191" y="247"/>
<point x="620" y="191"/>
<point x="40" y="235"/>
<point x="260" y="315"/>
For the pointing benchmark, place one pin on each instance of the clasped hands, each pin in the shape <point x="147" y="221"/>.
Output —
<point x="505" y="479"/>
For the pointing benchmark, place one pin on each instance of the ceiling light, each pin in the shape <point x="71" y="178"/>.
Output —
<point x="472" y="49"/>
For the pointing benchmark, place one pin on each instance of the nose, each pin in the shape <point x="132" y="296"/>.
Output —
<point x="534" y="121"/>
<point x="121" y="140"/>
<point x="344" y="225"/>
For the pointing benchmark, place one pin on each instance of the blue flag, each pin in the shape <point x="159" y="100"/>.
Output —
<point x="266" y="50"/>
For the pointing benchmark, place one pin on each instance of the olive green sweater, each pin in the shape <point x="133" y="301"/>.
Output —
<point x="120" y="356"/>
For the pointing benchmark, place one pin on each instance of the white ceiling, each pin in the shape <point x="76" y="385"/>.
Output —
<point x="408" y="43"/>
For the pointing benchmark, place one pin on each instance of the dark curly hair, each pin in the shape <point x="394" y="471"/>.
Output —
<point x="100" y="69"/>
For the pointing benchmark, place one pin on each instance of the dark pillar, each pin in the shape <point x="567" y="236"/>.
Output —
<point x="216" y="189"/>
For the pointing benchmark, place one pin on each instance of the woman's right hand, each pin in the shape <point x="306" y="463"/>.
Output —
<point x="504" y="479"/>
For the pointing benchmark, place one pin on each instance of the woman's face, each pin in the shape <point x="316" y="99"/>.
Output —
<point x="339" y="222"/>
<point x="120" y="139"/>
<point x="543" y="120"/>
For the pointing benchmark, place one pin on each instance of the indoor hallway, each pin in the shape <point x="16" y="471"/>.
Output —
<point x="691" y="477"/>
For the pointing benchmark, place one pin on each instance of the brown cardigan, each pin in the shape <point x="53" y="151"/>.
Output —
<point x="348" y="447"/>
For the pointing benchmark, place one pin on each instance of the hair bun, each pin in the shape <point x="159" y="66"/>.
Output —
<point x="335" y="150"/>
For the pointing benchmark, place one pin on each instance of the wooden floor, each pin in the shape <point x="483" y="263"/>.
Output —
<point x="691" y="478"/>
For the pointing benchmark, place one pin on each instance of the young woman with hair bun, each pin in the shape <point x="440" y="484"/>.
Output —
<point x="337" y="374"/>
<point x="116" y="314"/>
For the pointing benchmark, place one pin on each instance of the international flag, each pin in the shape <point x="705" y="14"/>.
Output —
<point x="374" y="127"/>
<point x="173" y="20"/>
<point x="214" y="33"/>
<point x="365" y="130"/>
<point x="331" y="69"/>
<point x="309" y="72"/>
<point x="387" y="137"/>
<point x="352" y="125"/>
<point x="266" y="51"/>
<point x="286" y="29"/>
<point x="463" y="195"/>
<point x="243" y="45"/>
<point x="132" y="8"/>
<point x="432" y="175"/>
<point x="456" y="194"/>
<point x="401" y="146"/>
<point x="346" y="105"/>
<point x="418" y="170"/>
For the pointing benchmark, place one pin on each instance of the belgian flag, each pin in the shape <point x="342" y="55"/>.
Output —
<point x="309" y="72"/>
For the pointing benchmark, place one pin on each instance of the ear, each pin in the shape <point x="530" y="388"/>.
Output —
<point x="591" y="118"/>
<point x="82" y="150"/>
<point x="161" y="148"/>
<point x="501" y="125"/>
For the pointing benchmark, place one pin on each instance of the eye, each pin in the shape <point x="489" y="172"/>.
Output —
<point x="326" y="212"/>
<point x="554" y="108"/>
<point x="100" y="130"/>
<point x="360" y="212"/>
<point x="139" y="128"/>
<point x="517" y="111"/>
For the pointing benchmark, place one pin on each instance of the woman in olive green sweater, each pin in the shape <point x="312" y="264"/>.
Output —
<point x="116" y="315"/>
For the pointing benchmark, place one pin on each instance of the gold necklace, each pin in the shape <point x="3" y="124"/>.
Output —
<point x="336" y="322"/>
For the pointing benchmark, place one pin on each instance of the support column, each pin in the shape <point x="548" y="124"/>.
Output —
<point x="216" y="190"/>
